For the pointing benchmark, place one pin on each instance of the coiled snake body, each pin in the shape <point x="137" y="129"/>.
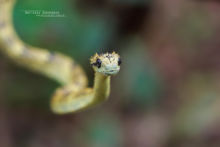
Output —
<point x="73" y="95"/>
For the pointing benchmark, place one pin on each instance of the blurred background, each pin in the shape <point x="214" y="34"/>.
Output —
<point x="167" y="93"/>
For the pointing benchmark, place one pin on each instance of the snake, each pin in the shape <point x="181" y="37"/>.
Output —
<point x="74" y="94"/>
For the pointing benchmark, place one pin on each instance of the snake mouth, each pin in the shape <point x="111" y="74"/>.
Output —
<point x="111" y="72"/>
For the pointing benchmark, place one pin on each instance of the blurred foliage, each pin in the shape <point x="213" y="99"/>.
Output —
<point x="166" y="94"/>
<point x="75" y="34"/>
<point x="142" y="80"/>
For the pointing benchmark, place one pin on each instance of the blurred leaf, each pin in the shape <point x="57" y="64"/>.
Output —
<point x="75" y="34"/>
<point x="141" y="80"/>
<point x="104" y="130"/>
<point x="200" y="108"/>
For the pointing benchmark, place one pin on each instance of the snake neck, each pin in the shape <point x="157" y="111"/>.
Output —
<point x="89" y="98"/>
<point x="101" y="87"/>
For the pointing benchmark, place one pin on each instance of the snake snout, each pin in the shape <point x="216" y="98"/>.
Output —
<point x="111" y="67"/>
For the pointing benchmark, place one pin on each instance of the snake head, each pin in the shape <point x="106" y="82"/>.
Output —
<point x="107" y="64"/>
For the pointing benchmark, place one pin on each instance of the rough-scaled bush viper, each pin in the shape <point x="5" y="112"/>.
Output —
<point x="74" y="94"/>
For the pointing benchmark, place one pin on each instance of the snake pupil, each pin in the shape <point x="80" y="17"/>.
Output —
<point x="119" y="61"/>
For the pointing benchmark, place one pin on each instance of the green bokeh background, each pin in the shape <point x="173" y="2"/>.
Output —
<point x="166" y="94"/>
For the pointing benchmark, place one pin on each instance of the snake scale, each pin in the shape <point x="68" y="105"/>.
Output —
<point x="73" y="94"/>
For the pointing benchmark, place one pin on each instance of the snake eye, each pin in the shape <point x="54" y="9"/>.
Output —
<point x="119" y="61"/>
<point x="98" y="63"/>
